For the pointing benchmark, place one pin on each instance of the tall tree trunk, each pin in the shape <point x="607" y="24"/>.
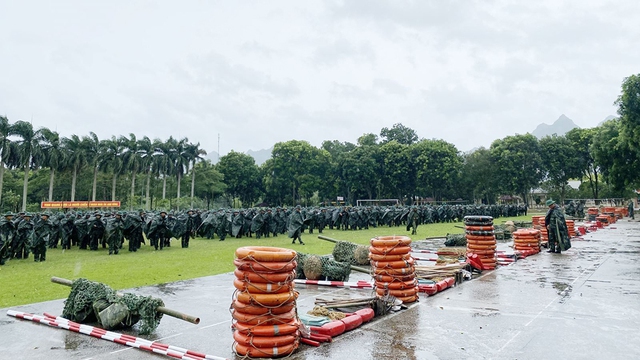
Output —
<point x="193" y="182"/>
<point x="113" y="187"/>
<point x="74" y="177"/>
<point x="596" y="176"/>
<point x="1" y="180"/>
<point x="24" y="188"/>
<point x="178" y="192"/>
<point x="147" y="203"/>
<point x="51" y="176"/>
<point x="164" y="187"/>
<point x="133" y="189"/>
<point x="95" y="182"/>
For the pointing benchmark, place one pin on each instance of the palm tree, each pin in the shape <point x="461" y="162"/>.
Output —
<point x="5" y="148"/>
<point x="195" y="154"/>
<point x="164" y="164"/>
<point x="146" y="150"/>
<point x="52" y="154"/>
<point x="112" y="159"/>
<point x="92" y="151"/>
<point x="180" y="159"/>
<point x="75" y="158"/>
<point x="132" y="160"/>
<point x="28" y="150"/>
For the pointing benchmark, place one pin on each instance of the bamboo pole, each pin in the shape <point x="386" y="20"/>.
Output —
<point x="160" y="309"/>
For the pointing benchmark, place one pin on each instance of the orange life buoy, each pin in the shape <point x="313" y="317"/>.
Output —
<point x="397" y="285"/>
<point x="262" y="352"/>
<point x="264" y="277"/>
<point x="488" y="260"/>
<point x="263" y="319"/>
<point x="262" y="288"/>
<point x="482" y="252"/>
<point x="480" y="237"/>
<point x="267" y="330"/>
<point x="479" y="228"/>
<point x="398" y="293"/>
<point x="481" y="247"/>
<point x="376" y="257"/>
<point x="390" y="241"/>
<point x="266" y="267"/>
<point x="393" y="264"/>
<point x="260" y="310"/>
<point x="399" y="250"/>
<point x="481" y="242"/>
<point x="266" y="299"/>
<point x="389" y="278"/>
<point x="263" y="341"/>
<point x="392" y="272"/>
<point x="408" y="299"/>
<point x="265" y="253"/>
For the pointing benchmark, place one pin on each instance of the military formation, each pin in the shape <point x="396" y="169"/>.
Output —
<point x="25" y="233"/>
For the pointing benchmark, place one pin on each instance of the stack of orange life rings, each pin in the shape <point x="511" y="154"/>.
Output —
<point x="527" y="240"/>
<point x="571" y="228"/>
<point x="265" y="319"/>
<point x="536" y="220"/>
<point x="393" y="267"/>
<point x="592" y="213"/>
<point x="544" y="234"/>
<point x="481" y="239"/>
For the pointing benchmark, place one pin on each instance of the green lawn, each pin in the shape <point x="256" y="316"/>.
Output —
<point x="25" y="281"/>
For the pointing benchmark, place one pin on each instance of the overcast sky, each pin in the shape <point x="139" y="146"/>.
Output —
<point x="260" y="72"/>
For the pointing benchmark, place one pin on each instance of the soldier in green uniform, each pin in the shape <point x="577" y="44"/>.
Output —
<point x="412" y="221"/>
<point x="556" y="228"/>
<point x="190" y="229"/>
<point x="295" y="225"/>
<point x="23" y="234"/>
<point x="42" y="232"/>
<point x="96" y="232"/>
<point x="7" y="232"/>
<point x="158" y="230"/>
<point x="630" y="208"/>
<point x="115" y="231"/>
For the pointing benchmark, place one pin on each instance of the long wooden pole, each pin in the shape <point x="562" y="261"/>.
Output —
<point x="160" y="309"/>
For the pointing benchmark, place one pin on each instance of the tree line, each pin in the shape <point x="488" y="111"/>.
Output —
<point x="397" y="164"/>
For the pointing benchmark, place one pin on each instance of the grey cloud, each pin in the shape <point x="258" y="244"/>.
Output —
<point x="341" y="49"/>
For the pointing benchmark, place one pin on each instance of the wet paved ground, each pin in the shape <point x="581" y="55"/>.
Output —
<point x="582" y="304"/>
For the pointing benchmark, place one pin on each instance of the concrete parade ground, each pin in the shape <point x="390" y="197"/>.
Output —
<point x="581" y="304"/>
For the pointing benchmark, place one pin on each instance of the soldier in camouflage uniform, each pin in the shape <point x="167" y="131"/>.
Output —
<point x="42" y="232"/>
<point x="556" y="228"/>
<point x="7" y="232"/>
<point x="24" y="229"/>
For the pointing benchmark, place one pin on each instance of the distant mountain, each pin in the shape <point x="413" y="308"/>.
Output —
<point x="610" y="117"/>
<point x="260" y="156"/>
<point x="559" y="127"/>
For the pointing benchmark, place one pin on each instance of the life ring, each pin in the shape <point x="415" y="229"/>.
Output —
<point x="264" y="277"/>
<point x="526" y="238"/>
<point x="392" y="272"/>
<point x="399" y="250"/>
<point x="264" y="319"/>
<point x="481" y="242"/>
<point x="481" y="247"/>
<point x="482" y="252"/>
<point x="526" y="241"/>
<point x="267" y="330"/>
<point x="393" y="264"/>
<point x="260" y="310"/>
<point x="262" y="288"/>
<point x="523" y="232"/>
<point x="477" y="218"/>
<point x="263" y="341"/>
<point x="398" y="293"/>
<point x="389" y="278"/>
<point x="266" y="299"/>
<point x="390" y="241"/>
<point x="270" y="267"/>
<point x="480" y="237"/>
<point x="480" y="233"/>
<point x="253" y="351"/>
<point x="265" y="253"/>
<point x="408" y="299"/>
<point x="478" y="223"/>
<point x="488" y="260"/>
<point x="479" y="228"/>
<point x="397" y="285"/>
<point x="377" y="257"/>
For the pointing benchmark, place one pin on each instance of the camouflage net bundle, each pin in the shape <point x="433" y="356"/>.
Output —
<point x="313" y="267"/>
<point x="89" y="301"/>
<point x="351" y="253"/>
<point x="323" y="311"/>
<point x="503" y="232"/>
<point x="332" y="269"/>
<point x="456" y="240"/>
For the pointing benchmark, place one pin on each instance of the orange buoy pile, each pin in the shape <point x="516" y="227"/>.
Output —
<point x="571" y="228"/>
<point x="592" y="212"/>
<point x="527" y="240"/>
<point x="481" y="239"/>
<point x="265" y="318"/>
<point x="393" y="267"/>
<point x="544" y="234"/>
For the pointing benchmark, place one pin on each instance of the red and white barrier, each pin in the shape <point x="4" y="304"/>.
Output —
<point x="356" y="285"/>
<point x="123" y="339"/>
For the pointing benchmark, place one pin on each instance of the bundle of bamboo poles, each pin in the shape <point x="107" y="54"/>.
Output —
<point x="436" y="272"/>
